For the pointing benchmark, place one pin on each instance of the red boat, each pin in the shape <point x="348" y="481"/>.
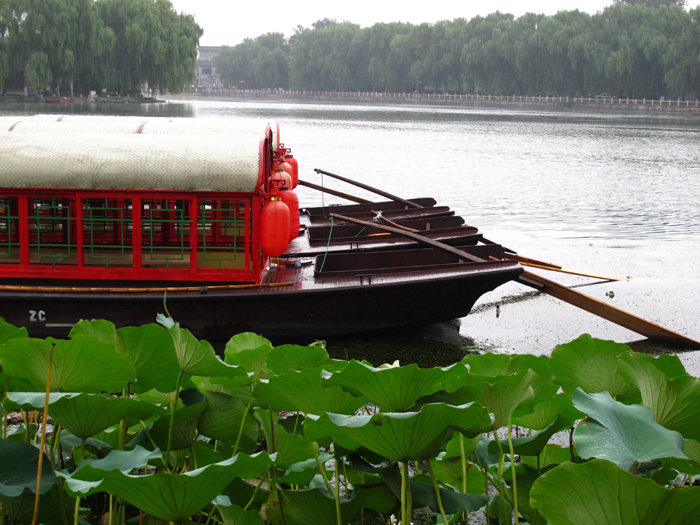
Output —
<point x="111" y="217"/>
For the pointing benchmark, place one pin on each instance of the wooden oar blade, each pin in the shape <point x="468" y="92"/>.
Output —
<point x="534" y="263"/>
<point x="606" y="311"/>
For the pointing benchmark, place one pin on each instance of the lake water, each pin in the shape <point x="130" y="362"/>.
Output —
<point x="616" y="193"/>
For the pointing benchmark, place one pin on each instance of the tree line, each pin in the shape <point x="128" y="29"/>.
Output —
<point x="84" y="45"/>
<point x="643" y="48"/>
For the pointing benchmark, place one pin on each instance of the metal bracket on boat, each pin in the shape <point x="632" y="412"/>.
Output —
<point x="354" y="246"/>
<point x="364" y="276"/>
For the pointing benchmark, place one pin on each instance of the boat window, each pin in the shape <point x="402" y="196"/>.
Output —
<point x="221" y="233"/>
<point x="107" y="232"/>
<point x="165" y="233"/>
<point x="9" y="230"/>
<point x="52" y="235"/>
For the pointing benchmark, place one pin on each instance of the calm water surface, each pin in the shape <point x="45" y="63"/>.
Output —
<point x="610" y="192"/>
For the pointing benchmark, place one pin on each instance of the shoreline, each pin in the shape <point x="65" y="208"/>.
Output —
<point x="691" y="107"/>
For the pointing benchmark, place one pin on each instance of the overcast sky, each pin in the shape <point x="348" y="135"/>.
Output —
<point x="229" y="22"/>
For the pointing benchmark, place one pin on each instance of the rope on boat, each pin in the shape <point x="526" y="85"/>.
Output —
<point x="150" y="289"/>
<point x="328" y="245"/>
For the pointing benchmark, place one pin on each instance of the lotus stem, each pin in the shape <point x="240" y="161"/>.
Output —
<point x="240" y="429"/>
<point x="172" y="420"/>
<point x="337" y="492"/>
<point x="76" y="511"/>
<point x="3" y="423"/>
<point x="322" y="471"/>
<point x="437" y="493"/>
<point x="501" y="461"/>
<point x="512" y="464"/>
<point x="43" y="438"/>
<point x="463" y="460"/>
<point x="405" y="490"/>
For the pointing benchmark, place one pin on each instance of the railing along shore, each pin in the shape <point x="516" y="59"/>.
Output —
<point x="448" y="98"/>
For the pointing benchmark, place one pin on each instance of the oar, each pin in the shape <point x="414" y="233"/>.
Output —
<point x="534" y="263"/>
<point x="370" y="188"/>
<point x="337" y="193"/>
<point x="585" y="302"/>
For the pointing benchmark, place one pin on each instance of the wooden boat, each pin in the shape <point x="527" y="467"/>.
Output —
<point x="121" y="217"/>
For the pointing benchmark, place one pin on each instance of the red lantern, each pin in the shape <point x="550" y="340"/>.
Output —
<point x="280" y="179"/>
<point x="274" y="228"/>
<point x="295" y="169"/>
<point x="292" y="201"/>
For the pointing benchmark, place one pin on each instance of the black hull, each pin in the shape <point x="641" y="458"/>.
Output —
<point x="282" y="315"/>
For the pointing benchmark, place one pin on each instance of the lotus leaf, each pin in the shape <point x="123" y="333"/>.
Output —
<point x="393" y="389"/>
<point x="423" y="492"/>
<point x="197" y="357"/>
<point x="599" y="492"/>
<point x="248" y="351"/>
<point x="674" y="401"/>
<point x="222" y="418"/>
<point x="626" y="435"/>
<point x="401" y="436"/>
<point x="85" y="414"/>
<point x="501" y="395"/>
<point x="290" y="447"/>
<point x="75" y="363"/>
<point x="306" y="392"/>
<point x="175" y="497"/>
<point x="591" y="364"/>
<point x="150" y="349"/>
<point x="296" y="357"/>
<point x="19" y="467"/>
<point x="302" y="507"/>
<point x="531" y="445"/>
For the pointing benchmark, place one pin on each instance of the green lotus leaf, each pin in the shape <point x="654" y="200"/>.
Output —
<point x="184" y="427"/>
<point x="393" y="389"/>
<point x="624" y="434"/>
<point x="9" y="331"/>
<point x="501" y="395"/>
<point x="89" y="476"/>
<point x="84" y="414"/>
<point x="295" y="357"/>
<point x="290" y="447"/>
<point x="423" y="492"/>
<point x="449" y="472"/>
<point x="531" y="445"/>
<point x="222" y="418"/>
<point x="302" y="507"/>
<point x="88" y="414"/>
<point x="306" y="392"/>
<point x="175" y="497"/>
<point x="401" y="436"/>
<point x="235" y="515"/>
<point x="591" y="364"/>
<point x="77" y="363"/>
<point x="545" y="412"/>
<point x="302" y="472"/>
<point x="599" y="492"/>
<point x="674" y="401"/>
<point x="9" y="383"/>
<point x="197" y="357"/>
<point x="19" y="468"/>
<point x="100" y="328"/>
<point x="248" y="351"/>
<point x="150" y="349"/>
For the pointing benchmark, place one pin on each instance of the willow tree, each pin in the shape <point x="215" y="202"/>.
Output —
<point x="153" y="44"/>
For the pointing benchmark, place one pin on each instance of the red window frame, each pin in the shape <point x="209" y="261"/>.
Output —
<point x="222" y="246"/>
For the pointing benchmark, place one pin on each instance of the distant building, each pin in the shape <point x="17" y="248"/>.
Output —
<point x="206" y="72"/>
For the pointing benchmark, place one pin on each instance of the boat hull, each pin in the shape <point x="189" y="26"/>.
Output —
<point x="281" y="312"/>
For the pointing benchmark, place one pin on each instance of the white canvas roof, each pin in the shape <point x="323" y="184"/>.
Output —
<point x="131" y="153"/>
